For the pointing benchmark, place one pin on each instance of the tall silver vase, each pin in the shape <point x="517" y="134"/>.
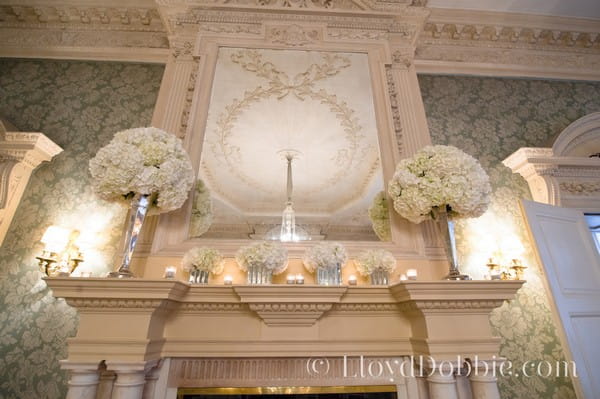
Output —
<point x="137" y="214"/>
<point x="380" y="277"/>
<point x="446" y="229"/>
<point x="199" y="276"/>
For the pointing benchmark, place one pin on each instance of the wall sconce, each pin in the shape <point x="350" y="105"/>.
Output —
<point x="502" y="272"/>
<point x="61" y="254"/>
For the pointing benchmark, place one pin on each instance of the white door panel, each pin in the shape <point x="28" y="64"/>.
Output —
<point x="571" y="263"/>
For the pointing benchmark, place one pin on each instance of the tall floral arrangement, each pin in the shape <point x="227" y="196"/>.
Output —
<point x="270" y="255"/>
<point x="436" y="179"/>
<point x="325" y="254"/>
<point x="369" y="261"/>
<point x="380" y="217"/>
<point x="147" y="161"/>
<point x="202" y="258"/>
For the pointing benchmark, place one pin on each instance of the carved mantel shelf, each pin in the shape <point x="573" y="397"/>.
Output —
<point x="135" y="328"/>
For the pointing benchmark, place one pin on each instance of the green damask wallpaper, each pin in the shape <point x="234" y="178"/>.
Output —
<point x="79" y="105"/>
<point x="490" y="119"/>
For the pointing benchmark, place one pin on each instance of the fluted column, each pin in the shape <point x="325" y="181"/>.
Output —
<point x="83" y="380"/>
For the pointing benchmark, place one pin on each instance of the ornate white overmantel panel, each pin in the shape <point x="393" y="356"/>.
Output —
<point x="568" y="174"/>
<point x="20" y="154"/>
<point x="147" y="331"/>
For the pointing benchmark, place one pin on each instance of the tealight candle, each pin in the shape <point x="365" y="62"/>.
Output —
<point x="86" y="274"/>
<point x="227" y="280"/>
<point x="352" y="279"/>
<point x="299" y="279"/>
<point x="291" y="279"/>
<point x="411" y="274"/>
<point x="495" y="275"/>
<point x="403" y="277"/>
<point x="170" y="271"/>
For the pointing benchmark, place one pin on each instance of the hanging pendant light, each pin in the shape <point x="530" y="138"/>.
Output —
<point x="288" y="231"/>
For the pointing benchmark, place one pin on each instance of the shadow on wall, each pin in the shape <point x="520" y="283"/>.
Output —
<point x="79" y="105"/>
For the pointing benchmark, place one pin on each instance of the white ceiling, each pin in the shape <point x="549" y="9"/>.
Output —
<point x="564" y="8"/>
<point x="320" y="104"/>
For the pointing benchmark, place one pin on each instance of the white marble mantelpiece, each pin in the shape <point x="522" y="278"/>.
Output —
<point x="129" y="325"/>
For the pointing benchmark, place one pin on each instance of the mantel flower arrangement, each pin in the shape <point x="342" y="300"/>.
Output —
<point x="375" y="259"/>
<point x="262" y="260"/>
<point x="441" y="183"/>
<point x="146" y="161"/>
<point x="439" y="179"/>
<point x="202" y="261"/>
<point x="327" y="259"/>
<point x="380" y="217"/>
<point x="146" y="168"/>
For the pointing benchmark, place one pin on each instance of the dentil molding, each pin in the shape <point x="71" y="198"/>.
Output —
<point x="20" y="153"/>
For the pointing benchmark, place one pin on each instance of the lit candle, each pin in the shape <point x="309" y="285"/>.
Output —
<point x="291" y="279"/>
<point x="403" y="277"/>
<point x="170" y="271"/>
<point x="495" y="275"/>
<point x="228" y="280"/>
<point x="352" y="279"/>
<point x="411" y="274"/>
<point x="86" y="274"/>
<point x="299" y="279"/>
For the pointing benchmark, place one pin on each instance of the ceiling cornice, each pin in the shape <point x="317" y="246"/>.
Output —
<point x="450" y="41"/>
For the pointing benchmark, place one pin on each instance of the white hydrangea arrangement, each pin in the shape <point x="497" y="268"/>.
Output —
<point x="201" y="210"/>
<point x="325" y="254"/>
<point x="147" y="161"/>
<point x="270" y="255"/>
<point x="439" y="178"/>
<point x="369" y="261"/>
<point x="380" y="217"/>
<point x="202" y="258"/>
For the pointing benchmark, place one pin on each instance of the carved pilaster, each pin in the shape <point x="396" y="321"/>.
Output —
<point x="20" y="153"/>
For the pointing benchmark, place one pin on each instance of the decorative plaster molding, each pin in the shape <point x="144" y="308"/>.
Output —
<point x="20" y="154"/>
<point x="293" y="35"/>
<point x="457" y="305"/>
<point x="564" y="175"/>
<point x="395" y="106"/>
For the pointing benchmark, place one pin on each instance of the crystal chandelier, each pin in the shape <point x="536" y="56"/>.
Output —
<point x="288" y="231"/>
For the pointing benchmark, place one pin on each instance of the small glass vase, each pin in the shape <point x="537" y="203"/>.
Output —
<point x="329" y="275"/>
<point x="445" y="228"/>
<point x="199" y="276"/>
<point x="137" y="213"/>
<point x="259" y="274"/>
<point x="380" y="277"/>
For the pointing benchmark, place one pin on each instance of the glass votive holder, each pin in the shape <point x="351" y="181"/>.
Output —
<point x="291" y="279"/>
<point x="170" y="272"/>
<point x="403" y="277"/>
<point x="85" y="274"/>
<point x="228" y="280"/>
<point x="299" y="279"/>
<point x="352" y="279"/>
<point x="411" y="274"/>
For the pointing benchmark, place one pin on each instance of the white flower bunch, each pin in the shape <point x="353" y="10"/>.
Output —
<point x="325" y="254"/>
<point x="370" y="260"/>
<point x="202" y="258"/>
<point x="201" y="210"/>
<point x="271" y="255"/>
<point x="439" y="177"/>
<point x="380" y="217"/>
<point x="147" y="161"/>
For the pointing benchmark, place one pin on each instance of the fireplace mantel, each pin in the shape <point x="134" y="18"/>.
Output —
<point x="134" y="324"/>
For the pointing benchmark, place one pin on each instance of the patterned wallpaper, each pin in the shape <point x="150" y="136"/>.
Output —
<point x="490" y="119"/>
<point x="79" y="105"/>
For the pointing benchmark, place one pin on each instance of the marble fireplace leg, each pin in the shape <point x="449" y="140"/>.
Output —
<point x="442" y="382"/>
<point x="484" y="382"/>
<point x="83" y="379"/>
<point x="131" y="379"/>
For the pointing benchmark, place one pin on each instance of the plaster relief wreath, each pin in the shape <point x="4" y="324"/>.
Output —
<point x="280" y="85"/>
